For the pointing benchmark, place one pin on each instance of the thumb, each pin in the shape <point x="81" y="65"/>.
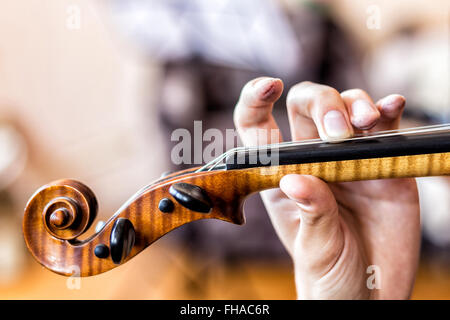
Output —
<point x="319" y="241"/>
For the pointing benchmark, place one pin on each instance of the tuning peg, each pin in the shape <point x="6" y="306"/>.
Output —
<point x="191" y="196"/>
<point x="121" y="240"/>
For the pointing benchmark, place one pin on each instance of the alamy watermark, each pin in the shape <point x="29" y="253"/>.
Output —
<point x="74" y="281"/>
<point x="202" y="147"/>
<point x="374" y="280"/>
<point x="73" y="20"/>
<point x="373" y="21"/>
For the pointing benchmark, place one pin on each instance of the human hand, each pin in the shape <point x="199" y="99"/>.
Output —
<point x="335" y="231"/>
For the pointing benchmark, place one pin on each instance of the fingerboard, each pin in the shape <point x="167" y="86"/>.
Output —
<point x="369" y="148"/>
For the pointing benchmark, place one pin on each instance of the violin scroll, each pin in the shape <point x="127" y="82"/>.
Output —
<point x="68" y="208"/>
<point x="65" y="208"/>
<point x="58" y="212"/>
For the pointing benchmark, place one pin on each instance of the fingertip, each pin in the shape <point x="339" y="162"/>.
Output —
<point x="364" y="115"/>
<point x="391" y="106"/>
<point x="253" y="111"/>
<point x="312" y="195"/>
<point x="260" y="93"/>
<point x="292" y="186"/>
<point x="268" y="89"/>
<point x="301" y="188"/>
<point x="336" y="125"/>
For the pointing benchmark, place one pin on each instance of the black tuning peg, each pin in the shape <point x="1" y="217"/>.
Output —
<point x="121" y="240"/>
<point x="191" y="196"/>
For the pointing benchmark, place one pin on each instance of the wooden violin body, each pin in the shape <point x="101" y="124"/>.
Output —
<point x="58" y="213"/>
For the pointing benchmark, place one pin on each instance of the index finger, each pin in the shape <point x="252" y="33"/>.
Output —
<point x="253" y="113"/>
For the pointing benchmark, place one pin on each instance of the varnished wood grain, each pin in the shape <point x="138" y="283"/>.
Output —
<point x="60" y="252"/>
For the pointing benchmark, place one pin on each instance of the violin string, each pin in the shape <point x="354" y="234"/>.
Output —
<point x="386" y="133"/>
<point x="213" y="164"/>
<point x="433" y="128"/>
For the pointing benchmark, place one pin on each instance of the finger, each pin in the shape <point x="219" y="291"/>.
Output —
<point x="319" y="220"/>
<point x="391" y="109"/>
<point x="253" y="113"/>
<point x="315" y="109"/>
<point x="363" y="112"/>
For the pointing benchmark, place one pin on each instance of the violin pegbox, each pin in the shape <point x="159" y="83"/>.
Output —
<point x="60" y="212"/>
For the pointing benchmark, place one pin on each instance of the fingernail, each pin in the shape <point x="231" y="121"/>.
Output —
<point x="265" y="88"/>
<point x="335" y="125"/>
<point x="363" y="113"/>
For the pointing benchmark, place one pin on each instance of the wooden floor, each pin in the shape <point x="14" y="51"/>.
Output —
<point x="160" y="273"/>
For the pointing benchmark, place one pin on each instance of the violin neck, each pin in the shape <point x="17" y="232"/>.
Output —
<point x="421" y="165"/>
<point x="364" y="158"/>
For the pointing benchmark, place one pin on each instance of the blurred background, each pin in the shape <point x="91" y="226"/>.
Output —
<point x="92" y="90"/>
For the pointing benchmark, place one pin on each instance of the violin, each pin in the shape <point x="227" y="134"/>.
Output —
<point x="60" y="212"/>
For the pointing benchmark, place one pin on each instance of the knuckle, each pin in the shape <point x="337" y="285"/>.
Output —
<point x="246" y="90"/>
<point x="305" y="97"/>
<point x="297" y="91"/>
<point x="325" y="93"/>
<point x="300" y="96"/>
<point x="292" y="96"/>
<point x="248" y="87"/>
<point x="356" y="92"/>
